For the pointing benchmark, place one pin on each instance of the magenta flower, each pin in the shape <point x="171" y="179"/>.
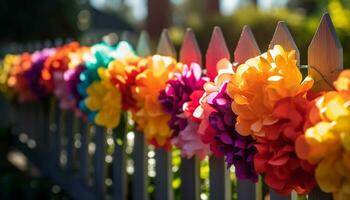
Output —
<point x="238" y="150"/>
<point x="178" y="92"/>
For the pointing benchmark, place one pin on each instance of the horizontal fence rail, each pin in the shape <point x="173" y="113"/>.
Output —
<point x="77" y="155"/>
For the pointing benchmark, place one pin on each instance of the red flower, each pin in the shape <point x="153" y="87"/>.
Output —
<point x="276" y="156"/>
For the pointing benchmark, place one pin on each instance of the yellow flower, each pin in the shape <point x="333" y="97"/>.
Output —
<point x="327" y="142"/>
<point x="5" y="70"/>
<point x="149" y="116"/>
<point x="259" y="83"/>
<point x="105" y="99"/>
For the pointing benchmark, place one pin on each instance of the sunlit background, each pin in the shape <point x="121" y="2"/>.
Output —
<point x="29" y="24"/>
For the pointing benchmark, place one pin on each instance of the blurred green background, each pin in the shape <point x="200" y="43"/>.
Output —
<point x="26" y="24"/>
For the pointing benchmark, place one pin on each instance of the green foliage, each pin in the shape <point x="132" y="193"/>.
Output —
<point x="263" y="24"/>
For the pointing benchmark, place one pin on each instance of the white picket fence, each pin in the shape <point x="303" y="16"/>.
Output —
<point x="77" y="155"/>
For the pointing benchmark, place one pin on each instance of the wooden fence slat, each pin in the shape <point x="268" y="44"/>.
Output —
<point x="325" y="61"/>
<point x="143" y="47"/>
<point x="220" y="185"/>
<point x="52" y="126"/>
<point x="318" y="194"/>
<point x="69" y="135"/>
<point x="325" y="55"/>
<point x="219" y="175"/>
<point x="165" y="46"/>
<point x="283" y="37"/>
<point x="217" y="49"/>
<point x="83" y="151"/>
<point x="163" y="175"/>
<point x="275" y="196"/>
<point x="246" y="190"/>
<point x="140" y="178"/>
<point x="119" y="161"/>
<point x="246" y="47"/>
<point x="99" y="159"/>
<point x="189" y="169"/>
<point x="46" y="121"/>
<point x="163" y="158"/>
<point x="57" y="136"/>
<point x="190" y="51"/>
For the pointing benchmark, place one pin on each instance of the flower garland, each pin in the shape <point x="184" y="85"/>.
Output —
<point x="261" y="115"/>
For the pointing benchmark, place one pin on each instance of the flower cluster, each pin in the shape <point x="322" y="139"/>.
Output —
<point x="259" y="83"/>
<point x="8" y="62"/>
<point x="17" y="79"/>
<point x="261" y="115"/>
<point x="101" y="55"/>
<point x="217" y="125"/>
<point x="104" y="99"/>
<point x="177" y="92"/>
<point x="149" y="115"/>
<point x="269" y="98"/>
<point x="327" y="141"/>
<point x="57" y="63"/>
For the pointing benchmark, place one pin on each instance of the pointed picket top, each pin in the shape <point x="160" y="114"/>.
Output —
<point x="246" y="46"/>
<point x="143" y="47"/>
<point x="217" y="49"/>
<point x="283" y="37"/>
<point x="190" y="51"/>
<point x="165" y="46"/>
<point x="125" y="36"/>
<point x="325" y="55"/>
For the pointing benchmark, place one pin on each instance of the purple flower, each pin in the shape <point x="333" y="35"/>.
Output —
<point x="238" y="150"/>
<point x="33" y="75"/>
<point x="178" y="92"/>
<point x="71" y="77"/>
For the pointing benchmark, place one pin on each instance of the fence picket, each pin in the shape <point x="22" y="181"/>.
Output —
<point x="275" y="196"/>
<point x="217" y="50"/>
<point x="165" y="46"/>
<point x="143" y="47"/>
<point x="283" y="37"/>
<point x="317" y="194"/>
<point x="190" y="51"/>
<point x="140" y="178"/>
<point x="325" y="55"/>
<point x="219" y="175"/>
<point x="69" y="136"/>
<point x="83" y="150"/>
<point x="163" y="158"/>
<point x="119" y="160"/>
<point x="57" y="135"/>
<point x="325" y="61"/>
<point x="189" y="169"/>
<point x="99" y="159"/>
<point x="246" y="48"/>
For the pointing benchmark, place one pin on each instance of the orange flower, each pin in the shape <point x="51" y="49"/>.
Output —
<point x="18" y="81"/>
<point x="149" y="116"/>
<point x="259" y="83"/>
<point x="123" y="74"/>
<point x="63" y="59"/>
